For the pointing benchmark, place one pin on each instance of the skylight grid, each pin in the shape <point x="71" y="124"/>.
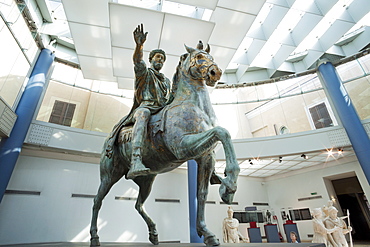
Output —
<point x="170" y="7"/>
<point x="147" y="4"/>
<point x="333" y="14"/>
<point x="280" y="36"/>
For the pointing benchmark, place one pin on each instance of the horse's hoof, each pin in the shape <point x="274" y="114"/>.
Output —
<point x="153" y="238"/>
<point x="211" y="241"/>
<point x="140" y="172"/>
<point x="94" y="241"/>
<point x="226" y="194"/>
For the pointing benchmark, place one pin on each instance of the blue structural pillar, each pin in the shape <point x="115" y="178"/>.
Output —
<point x="10" y="148"/>
<point x="192" y="194"/>
<point x="347" y="114"/>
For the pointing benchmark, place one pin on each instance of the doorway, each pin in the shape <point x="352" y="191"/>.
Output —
<point x="352" y="198"/>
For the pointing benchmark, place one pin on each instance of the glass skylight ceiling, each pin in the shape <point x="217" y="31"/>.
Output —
<point x="284" y="37"/>
<point x="170" y="7"/>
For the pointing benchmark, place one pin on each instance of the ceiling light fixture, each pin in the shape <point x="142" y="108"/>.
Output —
<point x="250" y="162"/>
<point x="280" y="159"/>
<point x="304" y="156"/>
<point x="340" y="151"/>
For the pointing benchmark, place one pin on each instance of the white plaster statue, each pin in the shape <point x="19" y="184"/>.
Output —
<point x="268" y="217"/>
<point x="325" y="208"/>
<point x="320" y="231"/>
<point x="337" y="237"/>
<point x="230" y="229"/>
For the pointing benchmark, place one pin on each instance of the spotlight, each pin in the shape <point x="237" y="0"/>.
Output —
<point x="340" y="151"/>
<point x="250" y="162"/>
<point x="304" y="156"/>
<point x="280" y="159"/>
<point x="330" y="152"/>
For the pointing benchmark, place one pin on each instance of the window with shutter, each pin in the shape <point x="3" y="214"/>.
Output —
<point x="62" y="113"/>
<point x="320" y="116"/>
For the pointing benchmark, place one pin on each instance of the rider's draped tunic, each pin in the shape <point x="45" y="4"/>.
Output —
<point x="152" y="91"/>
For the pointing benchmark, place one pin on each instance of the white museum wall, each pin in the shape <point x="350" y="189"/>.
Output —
<point x="55" y="215"/>
<point x="285" y="190"/>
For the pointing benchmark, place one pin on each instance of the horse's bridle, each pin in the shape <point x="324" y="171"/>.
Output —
<point x="193" y="63"/>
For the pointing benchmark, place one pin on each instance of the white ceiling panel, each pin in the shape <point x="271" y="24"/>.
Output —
<point x="231" y="27"/>
<point x="273" y="19"/>
<point x="263" y="62"/>
<point x="283" y="3"/>
<point x="222" y="56"/>
<point x="325" y="6"/>
<point x="124" y="19"/>
<point x="87" y="11"/>
<point x="208" y="4"/>
<point x="336" y="50"/>
<point x="97" y="68"/>
<point x="257" y="33"/>
<point x="304" y="27"/>
<point x="287" y="66"/>
<point x="170" y="65"/>
<point x="283" y="37"/>
<point x="345" y="16"/>
<point x="358" y="9"/>
<point x="180" y="30"/>
<point x="247" y="6"/>
<point x="311" y="7"/>
<point x="254" y="49"/>
<point x="282" y="54"/>
<point x="334" y="33"/>
<point x="123" y="65"/>
<point x="125" y="83"/>
<point x="311" y="57"/>
<point x="91" y="40"/>
<point x="242" y="59"/>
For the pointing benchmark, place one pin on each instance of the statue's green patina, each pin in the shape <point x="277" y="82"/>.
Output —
<point x="184" y="129"/>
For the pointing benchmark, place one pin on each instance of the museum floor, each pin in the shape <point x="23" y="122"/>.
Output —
<point x="115" y="244"/>
<point x="85" y="244"/>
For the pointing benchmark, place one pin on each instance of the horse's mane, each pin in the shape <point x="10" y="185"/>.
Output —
<point x="176" y="76"/>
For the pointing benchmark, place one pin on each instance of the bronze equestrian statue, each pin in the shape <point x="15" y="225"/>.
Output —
<point x="184" y="129"/>
<point x="152" y="93"/>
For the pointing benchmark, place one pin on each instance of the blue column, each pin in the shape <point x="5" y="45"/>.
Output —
<point x="10" y="148"/>
<point x="192" y="194"/>
<point x="347" y="114"/>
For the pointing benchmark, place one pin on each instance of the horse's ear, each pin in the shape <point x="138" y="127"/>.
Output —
<point x="208" y="49"/>
<point x="189" y="49"/>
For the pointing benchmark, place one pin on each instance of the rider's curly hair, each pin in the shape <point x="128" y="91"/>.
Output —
<point x="153" y="52"/>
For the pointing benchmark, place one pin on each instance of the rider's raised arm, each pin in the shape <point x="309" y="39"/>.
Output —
<point x="140" y="38"/>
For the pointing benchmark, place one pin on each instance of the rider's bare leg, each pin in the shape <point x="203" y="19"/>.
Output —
<point x="141" y="117"/>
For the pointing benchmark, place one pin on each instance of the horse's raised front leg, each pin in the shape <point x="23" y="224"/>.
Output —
<point x="197" y="144"/>
<point x="205" y="168"/>
<point x="145" y="184"/>
<point x="109" y="175"/>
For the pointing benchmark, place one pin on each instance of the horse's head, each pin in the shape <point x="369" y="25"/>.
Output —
<point x="200" y="64"/>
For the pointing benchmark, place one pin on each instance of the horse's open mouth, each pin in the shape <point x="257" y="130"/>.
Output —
<point x="214" y="74"/>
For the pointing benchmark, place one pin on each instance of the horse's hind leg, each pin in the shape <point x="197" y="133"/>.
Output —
<point x="109" y="175"/>
<point x="205" y="169"/>
<point x="145" y="186"/>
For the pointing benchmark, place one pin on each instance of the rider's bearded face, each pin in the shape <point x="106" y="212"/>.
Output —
<point x="157" y="61"/>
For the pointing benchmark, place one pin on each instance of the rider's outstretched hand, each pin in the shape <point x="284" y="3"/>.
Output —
<point x="139" y="35"/>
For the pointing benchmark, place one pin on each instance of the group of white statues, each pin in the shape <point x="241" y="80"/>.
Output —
<point x="328" y="227"/>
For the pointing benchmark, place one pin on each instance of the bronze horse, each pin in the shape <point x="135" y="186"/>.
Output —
<point x="185" y="129"/>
